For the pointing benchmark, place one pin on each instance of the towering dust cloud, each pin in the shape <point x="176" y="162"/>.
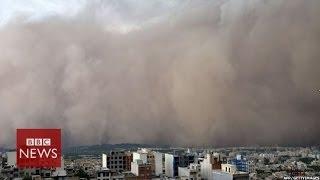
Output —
<point x="198" y="73"/>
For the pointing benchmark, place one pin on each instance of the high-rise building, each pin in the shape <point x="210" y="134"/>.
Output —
<point x="159" y="159"/>
<point x="173" y="161"/>
<point x="146" y="156"/>
<point x="209" y="163"/>
<point x="241" y="163"/>
<point x="141" y="170"/>
<point x="117" y="160"/>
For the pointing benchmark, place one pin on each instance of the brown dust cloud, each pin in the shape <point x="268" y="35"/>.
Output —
<point x="200" y="73"/>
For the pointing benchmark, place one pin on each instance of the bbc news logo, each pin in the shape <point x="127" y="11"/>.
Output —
<point x="38" y="142"/>
<point x="38" y="148"/>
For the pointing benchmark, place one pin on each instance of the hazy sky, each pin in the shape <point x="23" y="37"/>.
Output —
<point x="121" y="15"/>
<point x="191" y="73"/>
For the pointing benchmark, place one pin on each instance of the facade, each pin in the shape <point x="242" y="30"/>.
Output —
<point x="11" y="158"/>
<point x="108" y="174"/>
<point x="151" y="161"/>
<point x="241" y="163"/>
<point x="104" y="161"/>
<point x="117" y="160"/>
<point x="140" y="156"/>
<point x="229" y="168"/>
<point x="127" y="161"/>
<point x="191" y="172"/>
<point x="209" y="163"/>
<point x="159" y="159"/>
<point x="221" y="175"/>
<point x="146" y="156"/>
<point x="174" y="161"/>
<point x="141" y="170"/>
<point x="229" y="172"/>
<point x="218" y="174"/>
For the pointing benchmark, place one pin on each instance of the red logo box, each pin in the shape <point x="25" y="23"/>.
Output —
<point x="40" y="148"/>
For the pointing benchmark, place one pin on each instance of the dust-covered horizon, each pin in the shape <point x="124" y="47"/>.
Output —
<point x="218" y="73"/>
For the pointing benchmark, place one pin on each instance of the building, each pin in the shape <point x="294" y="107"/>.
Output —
<point x="229" y="168"/>
<point x="209" y="163"/>
<point x="159" y="159"/>
<point x="104" y="161"/>
<point x="241" y="163"/>
<point x="127" y="161"/>
<point x="141" y="170"/>
<point x="142" y="155"/>
<point x="173" y="161"/>
<point x="229" y="172"/>
<point x="108" y="174"/>
<point x="117" y="160"/>
<point x="221" y="175"/>
<point x="190" y="172"/>
<point x="146" y="156"/>
<point x="11" y="158"/>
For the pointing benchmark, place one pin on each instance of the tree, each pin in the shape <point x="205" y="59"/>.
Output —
<point x="82" y="174"/>
<point x="27" y="178"/>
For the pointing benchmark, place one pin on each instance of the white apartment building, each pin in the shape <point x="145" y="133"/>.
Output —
<point x="159" y="159"/>
<point x="229" y="172"/>
<point x="190" y="173"/>
<point x="147" y="157"/>
<point x="209" y="163"/>
<point x="140" y="156"/>
<point x="12" y="158"/>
